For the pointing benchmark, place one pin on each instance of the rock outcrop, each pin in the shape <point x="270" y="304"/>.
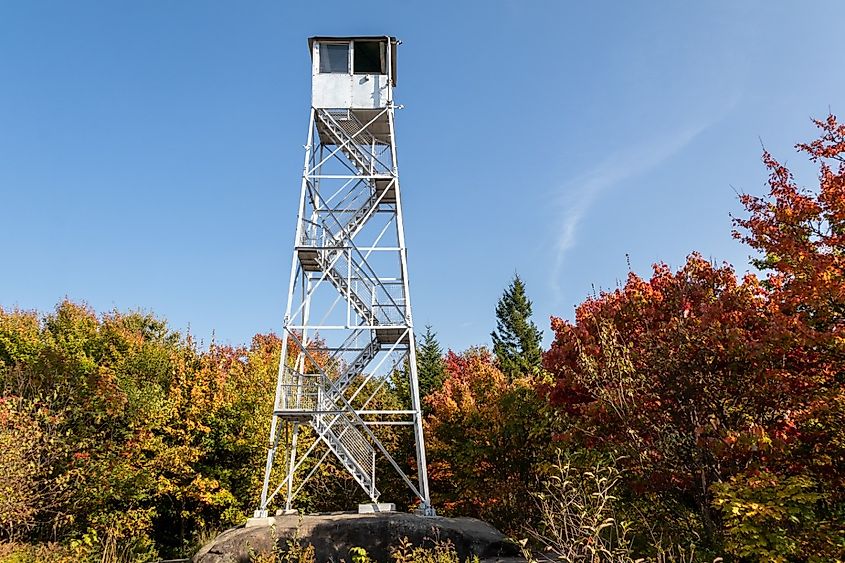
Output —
<point x="334" y="534"/>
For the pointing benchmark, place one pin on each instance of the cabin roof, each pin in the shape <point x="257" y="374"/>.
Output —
<point x="392" y="41"/>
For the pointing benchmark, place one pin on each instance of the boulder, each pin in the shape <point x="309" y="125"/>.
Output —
<point x="334" y="534"/>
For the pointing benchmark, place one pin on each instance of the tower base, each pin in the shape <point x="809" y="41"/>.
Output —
<point x="374" y="507"/>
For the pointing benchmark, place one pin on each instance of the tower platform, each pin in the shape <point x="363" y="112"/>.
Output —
<point x="352" y="121"/>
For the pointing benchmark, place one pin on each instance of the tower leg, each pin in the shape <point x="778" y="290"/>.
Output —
<point x="291" y="466"/>
<point x="422" y="470"/>
<point x="271" y="454"/>
<point x="294" y="269"/>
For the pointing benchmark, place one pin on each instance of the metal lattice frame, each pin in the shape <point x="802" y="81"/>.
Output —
<point x="349" y="284"/>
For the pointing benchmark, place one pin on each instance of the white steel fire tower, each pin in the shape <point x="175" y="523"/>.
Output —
<point x="348" y="324"/>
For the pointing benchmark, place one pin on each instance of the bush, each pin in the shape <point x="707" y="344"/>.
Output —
<point x="578" y="514"/>
<point x="486" y="436"/>
<point x="772" y="518"/>
<point x="441" y="552"/>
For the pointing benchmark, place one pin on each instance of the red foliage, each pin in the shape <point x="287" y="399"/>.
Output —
<point x="801" y="233"/>
<point x="485" y="437"/>
<point x="699" y="375"/>
<point x="693" y="367"/>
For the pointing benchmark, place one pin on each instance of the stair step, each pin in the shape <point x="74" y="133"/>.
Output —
<point x="337" y="446"/>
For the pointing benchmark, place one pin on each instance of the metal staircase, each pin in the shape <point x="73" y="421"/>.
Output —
<point x="320" y="402"/>
<point x="358" y="219"/>
<point x="339" y="281"/>
<point x="339" y="433"/>
<point x="332" y="132"/>
<point x="357" y="366"/>
<point x="319" y="260"/>
<point x="350" y="447"/>
<point x="343" y="130"/>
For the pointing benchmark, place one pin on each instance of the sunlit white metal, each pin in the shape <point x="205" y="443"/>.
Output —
<point x="349" y="280"/>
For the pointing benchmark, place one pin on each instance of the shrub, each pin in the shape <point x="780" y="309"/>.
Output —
<point x="578" y="514"/>
<point x="486" y="436"/>
<point x="440" y="552"/>
<point x="772" y="518"/>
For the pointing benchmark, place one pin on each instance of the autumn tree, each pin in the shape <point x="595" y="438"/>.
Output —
<point x="120" y="434"/>
<point x="724" y="394"/>
<point x="799" y="232"/>
<point x="31" y="453"/>
<point x="516" y="340"/>
<point x="687" y="374"/>
<point x="487" y="437"/>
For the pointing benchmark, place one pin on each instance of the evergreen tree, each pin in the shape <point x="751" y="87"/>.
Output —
<point x="399" y="383"/>
<point x="430" y="368"/>
<point x="516" y="340"/>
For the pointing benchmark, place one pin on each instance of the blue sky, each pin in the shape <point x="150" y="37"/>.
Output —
<point x="150" y="152"/>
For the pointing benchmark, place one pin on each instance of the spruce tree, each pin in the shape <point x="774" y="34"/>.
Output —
<point x="400" y="384"/>
<point x="516" y="340"/>
<point x="430" y="368"/>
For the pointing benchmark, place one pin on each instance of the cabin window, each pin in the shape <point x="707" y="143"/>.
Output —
<point x="334" y="57"/>
<point x="369" y="57"/>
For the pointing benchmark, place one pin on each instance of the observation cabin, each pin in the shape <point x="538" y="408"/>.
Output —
<point x="357" y="74"/>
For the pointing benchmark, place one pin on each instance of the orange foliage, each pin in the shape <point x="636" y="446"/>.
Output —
<point x="485" y="437"/>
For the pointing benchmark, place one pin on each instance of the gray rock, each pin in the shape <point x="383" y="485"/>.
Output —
<point x="332" y="536"/>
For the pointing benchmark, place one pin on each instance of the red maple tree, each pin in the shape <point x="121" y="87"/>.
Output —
<point x="697" y="375"/>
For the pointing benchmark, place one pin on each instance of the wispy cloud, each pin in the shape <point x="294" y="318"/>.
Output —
<point x="578" y="194"/>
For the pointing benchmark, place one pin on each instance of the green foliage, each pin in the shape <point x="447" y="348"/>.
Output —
<point x="440" y="552"/>
<point x="359" y="555"/>
<point x="120" y="438"/>
<point x="772" y="518"/>
<point x="431" y="370"/>
<point x="516" y="340"/>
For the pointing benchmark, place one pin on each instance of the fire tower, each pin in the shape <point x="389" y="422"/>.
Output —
<point x="348" y="329"/>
